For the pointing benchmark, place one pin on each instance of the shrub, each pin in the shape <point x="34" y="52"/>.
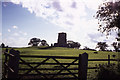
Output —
<point x="108" y="72"/>
<point x="118" y="68"/>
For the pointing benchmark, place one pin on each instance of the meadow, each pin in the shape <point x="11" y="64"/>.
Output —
<point x="59" y="51"/>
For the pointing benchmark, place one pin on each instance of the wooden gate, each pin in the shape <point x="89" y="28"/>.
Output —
<point x="61" y="67"/>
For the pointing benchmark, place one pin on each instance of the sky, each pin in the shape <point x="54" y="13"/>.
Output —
<point x="44" y="19"/>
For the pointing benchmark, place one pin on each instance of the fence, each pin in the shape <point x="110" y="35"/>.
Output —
<point x="93" y="70"/>
<point x="108" y="60"/>
<point x="11" y="66"/>
<point x="13" y="60"/>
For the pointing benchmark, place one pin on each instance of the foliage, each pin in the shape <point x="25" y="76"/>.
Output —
<point x="116" y="46"/>
<point x="44" y="43"/>
<point x="108" y="16"/>
<point x="34" y="42"/>
<point x="2" y="45"/>
<point x="87" y="48"/>
<point x="119" y="67"/>
<point x="102" y="46"/>
<point x="108" y="72"/>
<point x="72" y="44"/>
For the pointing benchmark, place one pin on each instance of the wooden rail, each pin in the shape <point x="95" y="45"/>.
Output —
<point x="11" y="66"/>
<point x="62" y="66"/>
<point x="13" y="61"/>
<point x="57" y="57"/>
<point x="98" y="60"/>
<point x="102" y="59"/>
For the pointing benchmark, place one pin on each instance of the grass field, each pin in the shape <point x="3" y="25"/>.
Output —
<point x="59" y="51"/>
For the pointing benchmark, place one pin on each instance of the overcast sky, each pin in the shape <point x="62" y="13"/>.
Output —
<point x="44" y="19"/>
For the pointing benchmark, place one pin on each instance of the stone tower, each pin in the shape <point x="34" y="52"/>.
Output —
<point x="62" y="40"/>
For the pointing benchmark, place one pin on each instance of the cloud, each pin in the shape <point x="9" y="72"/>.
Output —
<point x="75" y="16"/>
<point x="64" y="13"/>
<point x="16" y="42"/>
<point x="9" y="30"/>
<point x="15" y="27"/>
<point x="15" y="39"/>
<point x="25" y="34"/>
<point x="92" y="4"/>
<point x="5" y="0"/>
<point x="16" y="34"/>
<point x="0" y="37"/>
<point x="0" y="34"/>
<point x="97" y="37"/>
<point x="112" y="1"/>
<point x="57" y="6"/>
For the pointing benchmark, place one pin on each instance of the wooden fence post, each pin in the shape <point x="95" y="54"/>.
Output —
<point x="108" y="60"/>
<point x="5" y="68"/>
<point x="83" y="64"/>
<point x="79" y="64"/>
<point x="13" y="63"/>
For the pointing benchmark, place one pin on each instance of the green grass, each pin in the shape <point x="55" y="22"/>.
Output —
<point x="59" y="51"/>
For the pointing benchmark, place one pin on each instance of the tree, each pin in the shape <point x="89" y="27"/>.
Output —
<point x="118" y="47"/>
<point x="72" y="44"/>
<point x="77" y="45"/>
<point x="86" y="48"/>
<point x="44" y="43"/>
<point x="102" y="46"/>
<point x="108" y="16"/>
<point x="34" y="41"/>
<point x="52" y="45"/>
<point x="115" y="45"/>
<point x="2" y="45"/>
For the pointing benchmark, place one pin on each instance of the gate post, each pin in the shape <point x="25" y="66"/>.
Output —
<point x="13" y="64"/>
<point x="5" y="62"/>
<point x="83" y="64"/>
<point x="108" y="60"/>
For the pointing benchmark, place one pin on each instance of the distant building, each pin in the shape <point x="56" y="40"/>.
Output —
<point x="62" y="40"/>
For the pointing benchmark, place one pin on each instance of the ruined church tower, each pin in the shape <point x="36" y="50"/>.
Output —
<point x="62" y="40"/>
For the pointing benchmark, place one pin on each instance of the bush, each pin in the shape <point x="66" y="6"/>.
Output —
<point x="108" y="72"/>
<point x="119" y="67"/>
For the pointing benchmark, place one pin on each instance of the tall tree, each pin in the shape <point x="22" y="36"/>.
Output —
<point x="34" y="41"/>
<point x="102" y="46"/>
<point x="108" y="16"/>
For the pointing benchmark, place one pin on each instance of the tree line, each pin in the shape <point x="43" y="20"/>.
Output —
<point x="102" y="46"/>
<point x="39" y="42"/>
